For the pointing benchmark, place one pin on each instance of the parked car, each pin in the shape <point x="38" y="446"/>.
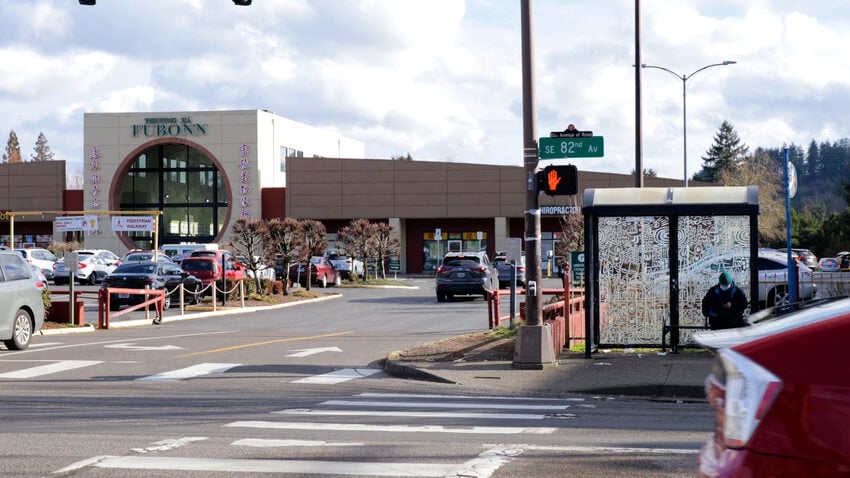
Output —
<point x="208" y="271"/>
<point x="504" y="268"/>
<point x="346" y="265"/>
<point x="773" y="279"/>
<point x="154" y="275"/>
<point x="804" y="256"/>
<point x="843" y="258"/>
<point x="43" y="258"/>
<point x="466" y="273"/>
<point x="233" y="269"/>
<point x="91" y="269"/>
<point x="144" y="256"/>
<point x="185" y="250"/>
<point x="21" y="303"/>
<point x="782" y="402"/>
<point x="108" y="256"/>
<point x="321" y="272"/>
<point x="828" y="264"/>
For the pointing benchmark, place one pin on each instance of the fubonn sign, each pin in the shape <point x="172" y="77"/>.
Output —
<point x="169" y="126"/>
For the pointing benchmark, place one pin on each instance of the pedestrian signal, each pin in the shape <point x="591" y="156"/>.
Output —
<point x="558" y="180"/>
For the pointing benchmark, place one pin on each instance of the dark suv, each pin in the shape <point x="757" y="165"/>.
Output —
<point x="466" y="273"/>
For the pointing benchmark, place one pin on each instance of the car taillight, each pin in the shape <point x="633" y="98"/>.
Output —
<point x="479" y="268"/>
<point x="81" y="265"/>
<point x="442" y="269"/>
<point x="520" y="268"/>
<point x="750" y="392"/>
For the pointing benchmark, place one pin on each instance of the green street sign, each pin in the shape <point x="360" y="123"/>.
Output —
<point x="557" y="148"/>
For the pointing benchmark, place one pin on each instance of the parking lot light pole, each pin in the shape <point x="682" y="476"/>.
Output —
<point x="685" y="79"/>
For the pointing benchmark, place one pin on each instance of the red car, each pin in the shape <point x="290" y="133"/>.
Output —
<point x="322" y="272"/>
<point x="782" y="403"/>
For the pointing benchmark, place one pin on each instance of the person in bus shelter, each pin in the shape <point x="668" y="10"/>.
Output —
<point x="724" y="304"/>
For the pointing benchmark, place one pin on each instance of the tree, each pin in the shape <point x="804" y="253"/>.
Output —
<point x="356" y="239"/>
<point x="315" y="241"/>
<point x="763" y="170"/>
<point x="283" y="242"/>
<point x="248" y="241"/>
<point x="402" y="157"/>
<point x="42" y="150"/>
<point x="386" y="243"/>
<point x="13" y="149"/>
<point x="727" y="152"/>
<point x="572" y="235"/>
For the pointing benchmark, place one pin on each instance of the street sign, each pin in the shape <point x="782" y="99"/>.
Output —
<point x="133" y="223"/>
<point x="513" y="248"/>
<point x="557" y="148"/>
<point x="577" y="268"/>
<point x="75" y="223"/>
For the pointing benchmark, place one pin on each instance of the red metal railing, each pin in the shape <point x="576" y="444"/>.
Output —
<point x="103" y="308"/>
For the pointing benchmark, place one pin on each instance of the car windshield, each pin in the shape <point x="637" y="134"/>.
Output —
<point x="189" y="264"/>
<point x="461" y="262"/>
<point x="135" y="269"/>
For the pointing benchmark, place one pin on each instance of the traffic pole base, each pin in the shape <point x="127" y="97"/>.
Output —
<point x="534" y="348"/>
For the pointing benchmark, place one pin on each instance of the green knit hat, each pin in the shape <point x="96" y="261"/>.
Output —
<point x="725" y="278"/>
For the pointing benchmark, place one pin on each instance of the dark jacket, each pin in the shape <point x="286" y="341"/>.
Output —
<point x="720" y="317"/>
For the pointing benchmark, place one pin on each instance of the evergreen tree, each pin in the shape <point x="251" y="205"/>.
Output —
<point x="13" y="149"/>
<point x="727" y="153"/>
<point x="41" y="149"/>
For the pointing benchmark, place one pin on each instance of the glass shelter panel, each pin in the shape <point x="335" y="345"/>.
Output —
<point x="635" y="277"/>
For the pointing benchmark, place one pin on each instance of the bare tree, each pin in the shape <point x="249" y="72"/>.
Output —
<point x="315" y="241"/>
<point x="247" y="241"/>
<point x="572" y="235"/>
<point x="386" y="243"/>
<point x="283" y="244"/>
<point x="762" y="170"/>
<point x="356" y="240"/>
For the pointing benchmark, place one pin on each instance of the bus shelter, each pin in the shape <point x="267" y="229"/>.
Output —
<point x="652" y="253"/>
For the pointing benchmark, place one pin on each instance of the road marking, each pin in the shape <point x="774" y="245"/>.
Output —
<point x="169" y="444"/>
<point x="408" y="413"/>
<point x="360" y="427"/>
<point x="267" y="342"/>
<point x="190" y="372"/>
<point x="236" y="465"/>
<point x="102" y="342"/>
<point x="46" y="344"/>
<point x="492" y="406"/>
<point x="308" y="352"/>
<point x="50" y="368"/>
<point x="339" y="376"/>
<point x="262" y="443"/>
<point x="133" y="346"/>
<point x="468" y="397"/>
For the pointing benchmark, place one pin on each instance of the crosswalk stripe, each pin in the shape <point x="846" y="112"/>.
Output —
<point x="49" y="368"/>
<point x="488" y="405"/>
<point x="360" y="427"/>
<point x="339" y="376"/>
<point x="190" y="372"/>
<point x="408" y="413"/>
<point x="237" y="465"/>
<point x="266" y="443"/>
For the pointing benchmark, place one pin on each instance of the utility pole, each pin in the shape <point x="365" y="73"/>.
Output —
<point x="534" y="340"/>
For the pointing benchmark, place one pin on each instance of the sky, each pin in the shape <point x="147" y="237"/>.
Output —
<point x="440" y="80"/>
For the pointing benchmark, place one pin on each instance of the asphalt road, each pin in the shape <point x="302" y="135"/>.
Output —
<point x="298" y="391"/>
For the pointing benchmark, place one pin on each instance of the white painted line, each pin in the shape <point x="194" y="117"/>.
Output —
<point x="488" y="462"/>
<point x="262" y="443"/>
<point x="339" y="376"/>
<point x="190" y="372"/>
<point x="614" y="449"/>
<point x="133" y="346"/>
<point x="491" y="406"/>
<point x="355" y="427"/>
<point x="48" y="369"/>
<point x="303" y="467"/>
<point x="467" y="397"/>
<point x="309" y="352"/>
<point x="45" y="344"/>
<point x="168" y="444"/>
<point x="363" y="413"/>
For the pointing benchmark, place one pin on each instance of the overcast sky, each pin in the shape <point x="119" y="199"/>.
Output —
<point x="439" y="79"/>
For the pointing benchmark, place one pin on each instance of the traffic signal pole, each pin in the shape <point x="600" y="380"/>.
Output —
<point x="534" y="340"/>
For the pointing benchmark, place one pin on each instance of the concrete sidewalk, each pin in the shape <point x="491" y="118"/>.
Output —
<point x="652" y="375"/>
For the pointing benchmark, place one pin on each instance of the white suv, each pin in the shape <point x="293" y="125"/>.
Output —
<point x="41" y="258"/>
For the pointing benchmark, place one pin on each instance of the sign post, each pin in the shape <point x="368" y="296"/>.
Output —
<point x="71" y="261"/>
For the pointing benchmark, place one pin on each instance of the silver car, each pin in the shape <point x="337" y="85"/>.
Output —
<point x="21" y="302"/>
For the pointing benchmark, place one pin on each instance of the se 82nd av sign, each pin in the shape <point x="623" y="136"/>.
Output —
<point x="557" y="148"/>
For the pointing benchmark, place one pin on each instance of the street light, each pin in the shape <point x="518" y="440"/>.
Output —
<point x="685" y="79"/>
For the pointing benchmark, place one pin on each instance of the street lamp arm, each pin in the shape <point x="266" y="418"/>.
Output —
<point x="681" y="77"/>
<point x="727" y="62"/>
